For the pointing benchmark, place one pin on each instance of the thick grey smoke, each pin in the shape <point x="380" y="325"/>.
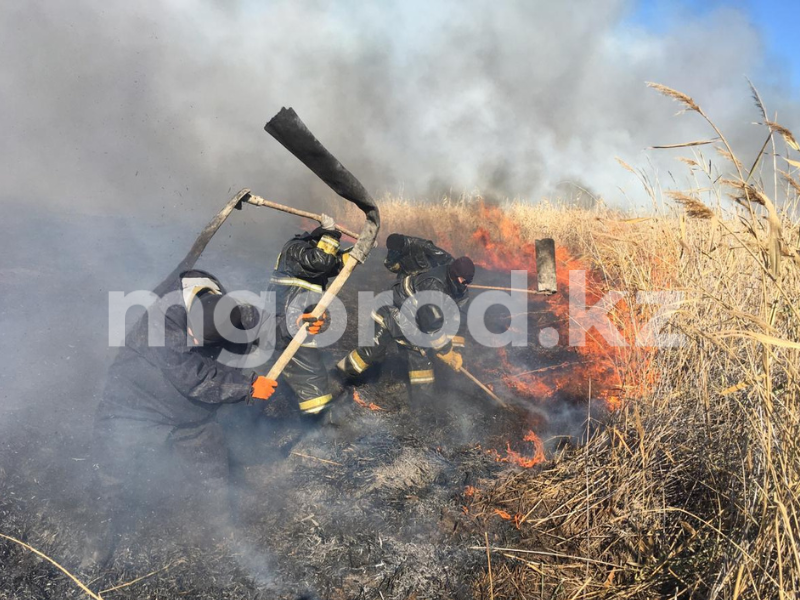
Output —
<point x="124" y="127"/>
<point x="148" y="107"/>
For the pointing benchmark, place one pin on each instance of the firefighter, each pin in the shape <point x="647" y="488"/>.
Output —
<point x="163" y="394"/>
<point x="450" y="279"/>
<point x="301" y="274"/>
<point x="409" y="255"/>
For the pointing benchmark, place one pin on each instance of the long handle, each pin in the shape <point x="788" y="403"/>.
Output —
<point x="477" y="382"/>
<point x="321" y="307"/>
<point x="502" y="289"/>
<point x="259" y="201"/>
<point x="213" y="226"/>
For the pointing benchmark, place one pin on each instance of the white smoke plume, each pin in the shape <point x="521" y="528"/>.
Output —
<point x="149" y="107"/>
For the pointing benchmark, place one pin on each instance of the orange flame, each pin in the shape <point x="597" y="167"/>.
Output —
<point x="358" y="400"/>
<point x="516" y="458"/>
<point x="599" y="368"/>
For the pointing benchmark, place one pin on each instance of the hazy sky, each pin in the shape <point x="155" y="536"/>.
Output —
<point x="152" y="107"/>
<point x="776" y="21"/>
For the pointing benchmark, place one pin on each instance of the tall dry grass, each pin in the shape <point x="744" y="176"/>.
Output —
<point x="693" y="488"/>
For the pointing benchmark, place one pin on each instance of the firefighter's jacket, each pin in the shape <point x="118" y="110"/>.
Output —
<point x="429" y="317"/>
<point x="417" y="256"/>
<point x="301" y="274"/>
<point x="177" y="383"/>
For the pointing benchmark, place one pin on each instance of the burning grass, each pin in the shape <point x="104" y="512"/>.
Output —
<point x="691" y="488"/>
<point x="688" y="488"/>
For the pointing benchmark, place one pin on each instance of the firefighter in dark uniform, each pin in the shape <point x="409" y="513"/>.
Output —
<point x="450" y="279"/>
<point x="408" y="255"/>
<point x="162" y="393"/>
<point x="301" y="274"/>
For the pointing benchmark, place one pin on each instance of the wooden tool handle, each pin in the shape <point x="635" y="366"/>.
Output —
<point x="259" y="201"/>
<point x="321" y="307"/>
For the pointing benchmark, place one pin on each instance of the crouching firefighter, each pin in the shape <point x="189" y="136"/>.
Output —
<point x="408" y="255"/>
<point x="393" y="323"/>
<point x="301" y="274"/>
<point x="162" y="394"/>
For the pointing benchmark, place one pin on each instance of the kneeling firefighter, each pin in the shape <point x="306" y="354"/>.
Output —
<point x="301" y="274"/>
<point x="451" y="280"/>
<point x="408" y="255"/>
<point x="162" y="393"/>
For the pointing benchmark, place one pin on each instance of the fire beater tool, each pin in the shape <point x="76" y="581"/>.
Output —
<point x="546" y="266"/>
<point x="287" y="128"/>
<point x="545" y="271"/>
<point x="504" y="289"/>
<point x="502" y="403"/>
<point x="244" y="195"/>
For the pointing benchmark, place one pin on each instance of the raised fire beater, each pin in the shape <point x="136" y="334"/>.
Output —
<point x="301" y="274"/>
<point x="450" y="280"/>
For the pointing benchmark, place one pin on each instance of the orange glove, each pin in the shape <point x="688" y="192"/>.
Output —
<point x="263" y="388"/>
<point x="314" y="325"/>
<point x="453" y="359"/>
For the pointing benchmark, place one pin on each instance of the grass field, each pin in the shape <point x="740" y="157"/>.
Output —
<point x="692" y="489"/>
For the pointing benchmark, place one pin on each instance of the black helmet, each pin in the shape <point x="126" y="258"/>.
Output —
<point x="240" y="317"/>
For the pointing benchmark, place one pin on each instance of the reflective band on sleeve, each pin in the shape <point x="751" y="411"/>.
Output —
<point x="378" y="319"/>
<point x="418" y="377"/>
<point x="329" y="245"/>
<point x="315" y="404"/>
<point x="357" y="362"/>
<point x="296" y="282"/>
<point x="458" y="341"/>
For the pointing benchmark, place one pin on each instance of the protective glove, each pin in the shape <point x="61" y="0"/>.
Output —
<point x="315" y="324"/>
<point x="327" y="222"/>
<point x="453" y="359"/>
<point x="263" y="388"/>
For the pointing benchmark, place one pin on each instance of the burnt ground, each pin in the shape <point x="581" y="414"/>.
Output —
<point x="371" y="508"/>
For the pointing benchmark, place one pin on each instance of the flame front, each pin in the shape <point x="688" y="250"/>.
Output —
<point x="595" y="370"/>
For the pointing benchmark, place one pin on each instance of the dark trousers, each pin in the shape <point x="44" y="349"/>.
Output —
<point x="420" y="366"/>
<point x="307" y="375"/>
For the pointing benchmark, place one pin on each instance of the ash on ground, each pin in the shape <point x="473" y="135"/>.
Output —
<point x="375" y="507"/>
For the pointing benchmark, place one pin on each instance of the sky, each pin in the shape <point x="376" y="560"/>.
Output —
<point x="778" y="21"/>
<point x="149" y="108"/>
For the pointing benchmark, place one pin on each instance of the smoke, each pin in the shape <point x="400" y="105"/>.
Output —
<point x="154" y="108"/>
<point x="126" y="126"/>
